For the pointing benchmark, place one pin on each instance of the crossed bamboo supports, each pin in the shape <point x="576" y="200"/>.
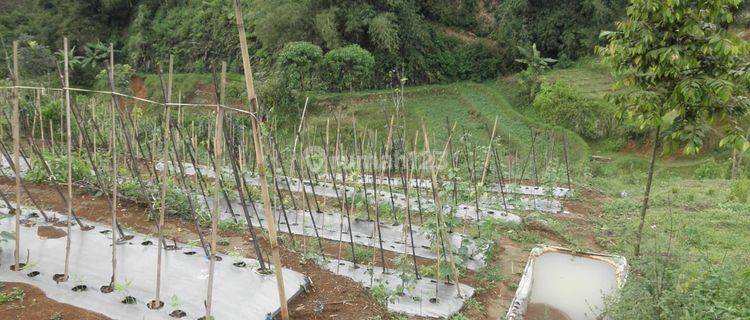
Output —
<point x="222" y="135"/>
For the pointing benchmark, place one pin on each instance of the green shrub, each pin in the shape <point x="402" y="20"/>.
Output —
<point x="560" y="103"/>
<point x="706" y="291"/>
<point x="298" y="62"/>
<point x="711" y="170"/>
<point x="80" y="169"/>
<point x="739" y="190"/>
<point x="349" y="67"/>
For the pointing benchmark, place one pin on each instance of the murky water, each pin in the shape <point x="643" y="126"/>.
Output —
<point x="575" y="286"/>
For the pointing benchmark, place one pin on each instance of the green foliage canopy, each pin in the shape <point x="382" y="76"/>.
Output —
<point x="298" y="61"/>
<point x="349" y="67"/>
<point x="559" y="103"/>
<point x="679" y="66"/>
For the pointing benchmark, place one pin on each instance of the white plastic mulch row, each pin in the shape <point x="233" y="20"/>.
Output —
<point x="240" y="292"/>
<point x="419" y="298"/>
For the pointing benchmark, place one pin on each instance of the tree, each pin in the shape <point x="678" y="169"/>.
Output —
<point x="348" y="67"/>
<point x="535" y="64"/>
<point x="300" y="60"/>
<point x="94" y="53"/>
<point x="677" y="66"/>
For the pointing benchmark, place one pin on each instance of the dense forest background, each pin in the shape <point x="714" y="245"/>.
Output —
<point x="431" y="41"/>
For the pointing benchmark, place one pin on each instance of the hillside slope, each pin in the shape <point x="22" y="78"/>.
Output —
<point x="473" y="106"/>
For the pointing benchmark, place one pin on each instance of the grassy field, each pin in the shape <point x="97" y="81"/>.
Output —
<point x="473" y="106"/>
<point x="588" y="76"/>
<point x="694" y="262"/>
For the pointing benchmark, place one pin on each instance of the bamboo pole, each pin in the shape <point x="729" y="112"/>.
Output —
<point x="567" y="165"/>
<point x="17" y="158"/>
<point x="69" y="160"/>
<point x="259" y="158"/>
<point x="487" y="157"/>
<point x="113" y="152"/>
<point x="439" y="209"/>
<point x="157" y="303"/>
<point x="218" y="141"/>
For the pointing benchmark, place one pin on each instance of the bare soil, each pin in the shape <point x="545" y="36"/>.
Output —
<point x="35" y="305"/>
<point x="50" y="232"/>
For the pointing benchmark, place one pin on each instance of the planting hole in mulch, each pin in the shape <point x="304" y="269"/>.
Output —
<point x="80" y="288"/>
<point x="433" y="300"/>
<point x="178" y="314"/>
<point x="20" y="267"/>
<point x="240" y="264"/>
<point x="217" y="258"/>
<point x="50" y="232"/>
<point x="107" y="289"/>
<point x="61" y="224"/>
<point x="59" y="277"/>
<point x="33" y="274"/>
<point x="129" y="300"/>
<point x="265" y="271"/>
<point x="105" y="231"/>
<point x="155" y="305"/>
<point x="147" y="243"/>
<point x="189" y="253"/>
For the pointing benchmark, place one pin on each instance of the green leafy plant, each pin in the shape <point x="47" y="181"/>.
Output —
<point x="15" y="294"/>
<point x="382" y="293"/>
<point x="535" y="64"/>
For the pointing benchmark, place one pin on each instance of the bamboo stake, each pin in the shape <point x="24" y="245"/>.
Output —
<point x="259" y="158"/>
<point x="362" y="170"/>
<point x="218" y="140"/>
<point x="17" y="159"/>
<point x="406" y="180"/>
<point x="70" y="160"/>
<point x="281" y="199"/>
<point x="500" y="178"/>
<point x="41" y="130"/>
<point x="447" y="142"/>
<point x="418" y="170"/>
<point x="157" y="303"/>
<point x="113" y="151"/>
<point x="377" y="210"/>
<point x="348" y="217"/>
<point x="439" y="209"/>
<point x="52" y="137"/>
<point x="487" y="158"/>
<point x="567" y="165"/>
<point x="239" y="179"/>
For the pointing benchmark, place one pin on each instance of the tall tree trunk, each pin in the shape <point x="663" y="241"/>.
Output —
<point x="647" y="194"/>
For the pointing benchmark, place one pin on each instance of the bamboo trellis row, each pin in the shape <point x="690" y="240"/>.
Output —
<point x="174" y="140"/>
